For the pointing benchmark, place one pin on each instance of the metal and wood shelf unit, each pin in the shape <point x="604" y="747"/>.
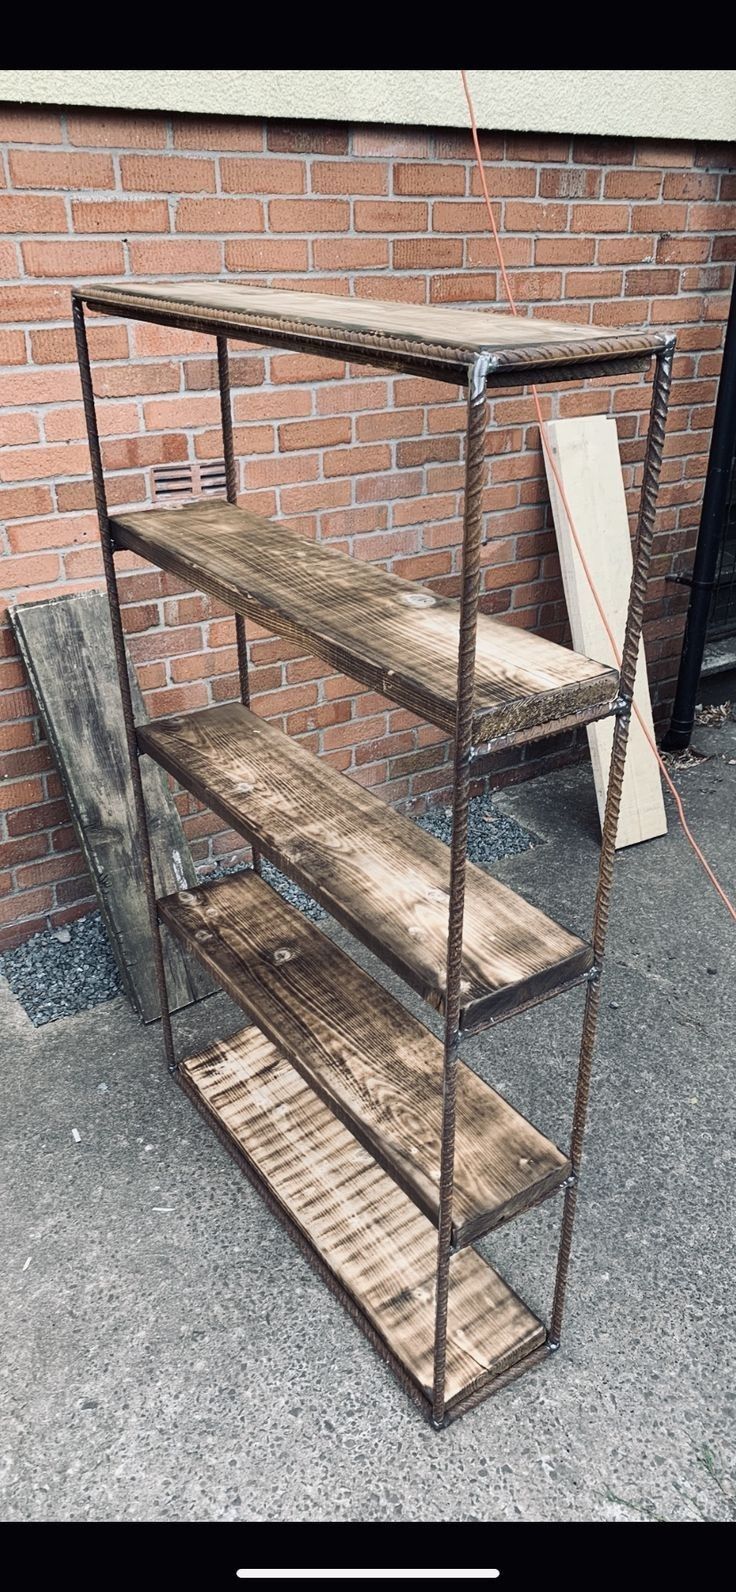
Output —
<point x="386" y="1155"/>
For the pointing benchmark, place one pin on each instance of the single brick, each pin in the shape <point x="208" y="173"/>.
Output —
<point x="13" y="348"/>
<point x="593" y="284"/>
<point x="72" y="259"/>
<point x="429" y="178"/>
<point x="167" y="413"/>
<point x="356" y="461"/>
<point x="522" y="217"/>
<point x="22" y="124"/>
<point x="654" y="281"/>
<point x="348" y="177"/>
<point x="483" y="251"/>
<point x="409" y="289"/>
<point x="426" y="254"/>
<point x="630" y="184"/>
<point x="35" y="168"/>
<point x="462" y="288"/>
<point x="625" y="251"/>
<point x="18" y="426"/>
<point x="502" y="182"/>
<point x="389" y="215"/>
<point x="600" y="218"/>
<point x="349" y="254"/>
<point x="117" y="130"/>
<point x="456" y="217"/>
<point x="119" y="216"/>
<point x="262" y="176"/>
<point x="175" y="174"/>
<point x="175" y="257"/>
<point x="217" y="133"/>
<point x="569" y="182"/>
<point x="306" y="138"/>
<point x="390" y="141"/>
<point x="219" y="215"/>
<point x="24" y="212"/>
<point x="122" y="381"/>
<point x="657" y="218"/>
<point x="267" y="254"/>
<point x="350" y="396"/>
<point x="308" y="215"/>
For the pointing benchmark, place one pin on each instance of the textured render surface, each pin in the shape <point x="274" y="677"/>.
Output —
<point x="669" y="104"/>
<point x="169" y="1355"/>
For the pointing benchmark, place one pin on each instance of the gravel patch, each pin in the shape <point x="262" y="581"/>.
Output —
<point x="63" y="971"/>
<point x="491" y="835"/>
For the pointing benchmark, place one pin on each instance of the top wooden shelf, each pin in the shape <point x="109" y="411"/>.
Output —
<point x="412" y="336"/>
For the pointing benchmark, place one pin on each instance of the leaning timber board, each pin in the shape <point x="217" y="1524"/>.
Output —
<point x="381" y="1249"/>
<point x="375" y="1065"/>
<point x="391" y="634"/>
<point x="379" y="874"/>
<point x="586" y="454"/>
<point x="67" y="648"/>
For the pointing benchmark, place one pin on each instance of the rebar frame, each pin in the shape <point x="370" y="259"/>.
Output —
<point x="231" y="492"/>
<point x="481" y="375"/>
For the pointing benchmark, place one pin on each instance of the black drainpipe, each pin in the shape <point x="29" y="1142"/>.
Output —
<point x="706" y="553"/>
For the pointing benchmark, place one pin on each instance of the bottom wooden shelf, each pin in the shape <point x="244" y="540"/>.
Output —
<point x="375" y="1242"/>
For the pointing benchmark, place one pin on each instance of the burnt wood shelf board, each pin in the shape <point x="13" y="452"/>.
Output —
<point x="380" y="875"/>
<point x="374" y="1064"/>
<point x="66" y="645"/>
<point x="380" y="1248"/>
<point x="391" y="634"/>
<point x="446" y="337"/>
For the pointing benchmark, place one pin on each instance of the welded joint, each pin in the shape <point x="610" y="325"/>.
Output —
<point x="593" y="975"/>
<point x="622" y="705"/>
<point x="553" y="1345"/>
<point x="571" y="1181"/>
<point x="478" y="373"/>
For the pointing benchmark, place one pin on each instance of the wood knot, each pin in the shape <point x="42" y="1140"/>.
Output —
<point x="282" y="954"/>
<point x="418" y="599"/>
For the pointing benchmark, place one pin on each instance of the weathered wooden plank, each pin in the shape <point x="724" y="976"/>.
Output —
<point x="67" y="649"/>
<point x="346" y="324"/>
<point x="375" y="1065"/>
<point x="379" y="874"/>
<point x="391" y="634"/>
<point x="382" y="1250"/>
<point x="586" y="455"/>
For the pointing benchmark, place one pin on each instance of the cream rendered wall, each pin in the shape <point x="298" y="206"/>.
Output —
<point x="663" y="105"/>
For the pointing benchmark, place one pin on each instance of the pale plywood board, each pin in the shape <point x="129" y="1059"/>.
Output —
<point x="586" y="454"/>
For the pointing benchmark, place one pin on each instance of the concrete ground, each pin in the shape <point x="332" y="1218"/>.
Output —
<point x="169" y="1355"/>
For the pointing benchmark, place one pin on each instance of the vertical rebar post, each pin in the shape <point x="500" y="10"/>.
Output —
<point x="629" y="659"/>
<point x="472" y="536"/>
<point x="118" y="637"/>
<point x="231" y="490"/>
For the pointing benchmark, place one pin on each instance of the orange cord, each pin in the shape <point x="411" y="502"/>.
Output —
<point x="583" y="560"/>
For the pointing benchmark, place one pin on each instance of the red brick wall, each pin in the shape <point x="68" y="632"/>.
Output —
<point x="595" y="231"/>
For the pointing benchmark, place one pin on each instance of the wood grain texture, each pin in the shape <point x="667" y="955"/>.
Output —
<point x="390" y="634"/>
<point x="586" y="454"/>
<point x="67" y="648"/>
<point x="453" y="335"/>
<point x="375" y="1241"/>
<point x="379" y="874"/>
<point x="377" y="1067"/>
